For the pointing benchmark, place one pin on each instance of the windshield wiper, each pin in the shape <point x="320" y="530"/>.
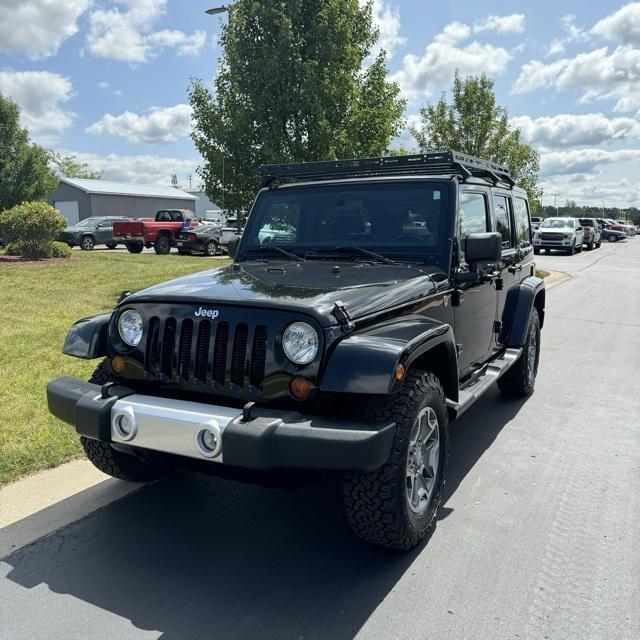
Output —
<point x="360" y="250"/>
<point x="284" y="252"/>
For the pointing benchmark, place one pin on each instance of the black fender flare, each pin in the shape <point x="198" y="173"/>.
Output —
<point x="521" y="299"/>
<point x="88" y="338"/>
<point x="365" y="362"/>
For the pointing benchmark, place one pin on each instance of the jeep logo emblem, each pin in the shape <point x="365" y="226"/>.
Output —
<point x="207" y="313"/>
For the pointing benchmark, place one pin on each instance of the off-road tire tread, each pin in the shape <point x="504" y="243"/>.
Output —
<point x="114" y="463"/>
<point x="515" y="382"/>
<point x="375" y="511"/>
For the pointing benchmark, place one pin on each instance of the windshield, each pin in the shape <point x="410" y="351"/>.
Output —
<point x="88" y="222"/>
<point x="397" y="220"/>
<point x="557" y="223"/>
<point x="587" y="222"/>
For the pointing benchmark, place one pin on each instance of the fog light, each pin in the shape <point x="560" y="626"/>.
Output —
<point x="300" y="388"/>
<point x="209" y="441"/>
<point x="117" y="365"/>
<point x="125" y="426"/>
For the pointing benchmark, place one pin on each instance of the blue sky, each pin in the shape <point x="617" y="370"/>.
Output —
<point x="106" y="79"/>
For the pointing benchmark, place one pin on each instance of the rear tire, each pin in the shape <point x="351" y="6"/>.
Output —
<point x="115" y="463"/>
<point x="112" y="245"/>
<point x="162" y="245"/>
<point x="598" y="244"/>
<point x="612" y="239"/>
<point x="396" y="505"/>
<point x="135" y="248"/>
<point x="87" y="243"/>
<point x="519" y="381"/>
<point x="590" y="246"/>
<point x="211" y="249"/>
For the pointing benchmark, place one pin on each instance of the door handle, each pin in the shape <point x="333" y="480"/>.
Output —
<point x="515" y="268"/>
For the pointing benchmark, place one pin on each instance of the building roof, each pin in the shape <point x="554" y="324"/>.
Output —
<point x="127" y="189"/>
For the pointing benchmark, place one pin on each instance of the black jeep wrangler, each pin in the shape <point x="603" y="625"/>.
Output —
<point x="370" y="302"/>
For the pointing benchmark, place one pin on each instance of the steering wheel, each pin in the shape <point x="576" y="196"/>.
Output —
<point x="408" y="237"/>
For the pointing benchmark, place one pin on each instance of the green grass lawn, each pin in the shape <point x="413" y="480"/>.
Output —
<point x="38" y="303"/>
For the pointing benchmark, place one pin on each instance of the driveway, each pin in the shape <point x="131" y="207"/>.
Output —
<point x="538" y="537"/>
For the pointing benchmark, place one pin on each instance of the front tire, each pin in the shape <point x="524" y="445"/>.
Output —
<point x="571" y="250"/>
<point x="590" y="246"/>
<point x="115" y="463"/>
<point x="519" y="381"/>
<point x="396" y="505"/>
<point x="162" y="245"/>
<point x="87" y="243"/>
<point x="536" y="251"/>
<point x="612" y="239"/>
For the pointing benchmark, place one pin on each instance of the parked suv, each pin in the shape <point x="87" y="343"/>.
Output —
<point x="592" y="233"/>
<point x="401" y="291"/>
<point x="565" y="234"/>
<point x="89" y="232"/>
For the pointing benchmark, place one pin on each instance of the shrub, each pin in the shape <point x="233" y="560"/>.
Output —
<point x="33" y="228"/>
<point x="11" y="250"/>
<point x="59" y="250"/>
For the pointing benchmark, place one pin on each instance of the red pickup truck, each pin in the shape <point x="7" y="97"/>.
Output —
<point x="157" y="232"/>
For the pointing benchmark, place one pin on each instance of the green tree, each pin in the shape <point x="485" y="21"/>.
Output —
<point x="292" y="85"/>
<point x="70" y="167"/>
<point x="24" y="166"/>
<point x="473" y="123"/>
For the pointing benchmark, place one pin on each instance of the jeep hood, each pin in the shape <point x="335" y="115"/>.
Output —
<point x="307" y="287"/>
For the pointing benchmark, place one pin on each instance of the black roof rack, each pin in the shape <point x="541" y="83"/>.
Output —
<point x="445" y="163"/>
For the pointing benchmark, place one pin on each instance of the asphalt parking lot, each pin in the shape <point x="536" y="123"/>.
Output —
<point x="537" y="538"/>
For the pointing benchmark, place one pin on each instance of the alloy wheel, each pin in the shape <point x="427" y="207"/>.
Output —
<point x="423" y="460"/>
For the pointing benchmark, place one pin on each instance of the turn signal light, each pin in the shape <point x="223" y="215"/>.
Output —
<point x="117" y="365"/>
<point x="300" y="388"/>
<point x="400" y="372"/>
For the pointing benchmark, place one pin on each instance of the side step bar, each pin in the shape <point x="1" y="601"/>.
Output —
<point x="477" y="386"/>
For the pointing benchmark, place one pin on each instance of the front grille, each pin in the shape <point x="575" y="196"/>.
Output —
<point x="552" y="236"/>
<point x="206" y="353"/>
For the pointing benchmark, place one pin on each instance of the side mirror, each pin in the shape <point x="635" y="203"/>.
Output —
<point x="483" y="247"/>
<point x="232" y="247"/>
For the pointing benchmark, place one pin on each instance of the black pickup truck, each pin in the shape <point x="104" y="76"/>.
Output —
<point x="387" y="296"/>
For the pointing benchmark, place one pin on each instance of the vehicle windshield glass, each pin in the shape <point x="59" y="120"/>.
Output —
<point x="398" y="220"/>
<point x="88" y="222"/>
<point x="557" y="223"/>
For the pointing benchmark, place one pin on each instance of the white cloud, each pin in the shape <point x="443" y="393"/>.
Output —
<point x="573" y="33"/>
<point x="622" y="27"/>
<point x="569" y="130"/>
<point x="37" y="28"/>
<point x="186" y="45"/>
<point x="387" y="20"/>
<point x="537" y="75"/>
<point x="161" y="124"/>
<point x="103" y="85"/>
<point x="39" y="94"/>
<point x="513" y="23"/>
<point x="143" y="169"/>
<point x="597" y="74"/>
<point x="421" y="76"/>
<point x="127" y="34"/>
<point x="453" y="33"/>
<point x="584" y="160"/>
<point x="586" y="189"/>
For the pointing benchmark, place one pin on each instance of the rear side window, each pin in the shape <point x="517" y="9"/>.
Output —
<point x="503" y="221"/>
<point x="473" y="214"/>
<point x="523" y="228"/>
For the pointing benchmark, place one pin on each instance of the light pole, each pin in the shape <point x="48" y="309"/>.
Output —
<point x="555" y="203"/>
<point x="216" y="10"/>
<point x="603" y="209"/>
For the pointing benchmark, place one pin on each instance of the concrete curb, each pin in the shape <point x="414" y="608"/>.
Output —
<point x="555" y="278"/>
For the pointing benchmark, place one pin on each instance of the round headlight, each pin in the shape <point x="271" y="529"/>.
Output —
<point x="300" y="342"/>
<point x="130" y="327"/>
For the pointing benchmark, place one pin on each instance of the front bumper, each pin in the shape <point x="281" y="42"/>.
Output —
<point x="268" y="440"/>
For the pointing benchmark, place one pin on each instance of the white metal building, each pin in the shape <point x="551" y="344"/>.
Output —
<point x="78" y="199"/>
